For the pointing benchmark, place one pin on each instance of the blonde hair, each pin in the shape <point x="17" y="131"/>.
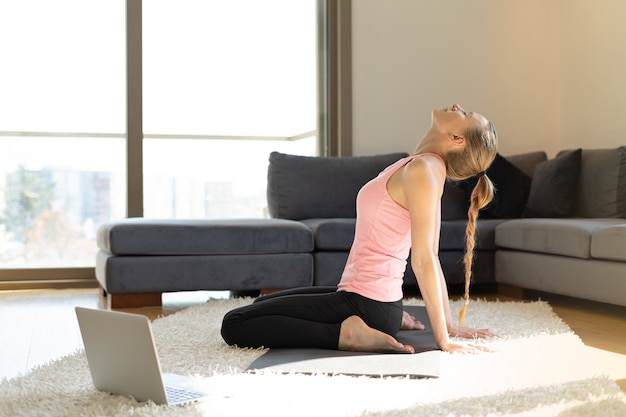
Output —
<point x="479" y="152"/>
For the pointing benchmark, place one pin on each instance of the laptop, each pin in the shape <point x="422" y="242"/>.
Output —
<point x="123" y="360"/>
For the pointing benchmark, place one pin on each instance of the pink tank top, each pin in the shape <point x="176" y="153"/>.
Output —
<point x="382" y="240"/>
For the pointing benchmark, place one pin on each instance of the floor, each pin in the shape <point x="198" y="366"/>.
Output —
<point x="37" y="326"/>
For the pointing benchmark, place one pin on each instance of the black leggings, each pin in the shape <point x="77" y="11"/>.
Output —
<point x="306" y="317"/>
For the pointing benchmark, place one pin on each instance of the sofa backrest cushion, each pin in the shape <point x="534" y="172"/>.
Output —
<point x="526" y="162"/>
<point x="512" y="188"/>
<point x="602" y="184"/>
<point x="305" y="187"/>
<point x="454" y="202"/>
<point x="554" y="186"/>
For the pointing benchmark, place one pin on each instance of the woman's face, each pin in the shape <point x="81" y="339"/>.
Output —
<point x="455" y="120"/>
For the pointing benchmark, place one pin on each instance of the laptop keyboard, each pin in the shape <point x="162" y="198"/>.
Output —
<point x="177" y="395"/>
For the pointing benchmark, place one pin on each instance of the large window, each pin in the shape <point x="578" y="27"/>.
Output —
<point x="62" y="120"/>
<point x="223" y="69"/>
<point x="224" y="84"/>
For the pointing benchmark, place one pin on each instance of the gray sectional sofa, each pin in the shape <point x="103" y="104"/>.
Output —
<point x="556" y="225"/>
<point x="582" y="254"/>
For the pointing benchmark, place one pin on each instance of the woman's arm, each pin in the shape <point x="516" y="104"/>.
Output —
<point x="454" y="330"/>
<point x="422" y="181"/>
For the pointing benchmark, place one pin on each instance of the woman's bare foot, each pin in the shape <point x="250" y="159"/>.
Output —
<point x="357" y="336"/>
<point x="409" y="322"/>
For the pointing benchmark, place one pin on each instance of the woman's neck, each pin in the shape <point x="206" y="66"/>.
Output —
<point x="429" y="148"/>
<point x="432" y="142"/>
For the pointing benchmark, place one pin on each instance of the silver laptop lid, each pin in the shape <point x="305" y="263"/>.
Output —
<point x="121" y="354"/>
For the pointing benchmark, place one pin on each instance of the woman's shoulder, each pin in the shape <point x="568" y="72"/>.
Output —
<point x="424" y="172"/>
<point x="420" y="173"/>
<point x="426" y="164"/>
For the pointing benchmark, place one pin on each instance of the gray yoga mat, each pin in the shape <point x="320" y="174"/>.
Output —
<point x="425" y="363"/>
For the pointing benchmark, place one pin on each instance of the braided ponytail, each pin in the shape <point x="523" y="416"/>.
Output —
<point x="481" y="196"/>
<point x="476" y="157"/>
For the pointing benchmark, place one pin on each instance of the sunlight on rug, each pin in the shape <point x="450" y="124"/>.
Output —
<point x="539" y="368"/>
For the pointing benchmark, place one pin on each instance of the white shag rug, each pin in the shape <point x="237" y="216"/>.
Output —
<point x="539" y="367"/>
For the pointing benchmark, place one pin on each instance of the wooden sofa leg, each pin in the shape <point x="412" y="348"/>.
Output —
<point x="134" y="300"/>
<point x="512" y="291"/>
<point x="267" y="291"/>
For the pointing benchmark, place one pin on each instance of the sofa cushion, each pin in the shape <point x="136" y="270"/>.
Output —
<point x="332" y="234"/>
<point x="554" y="186"/>
<point x="602" y="184"/>
<point x="328" y="267"/>
<point x="568" y="237"/>
<point x="305" y="187"/>
<point x="512" y="188"/>
<point x="453" y="234"/>
<point x="608" y="243"/>
<point x="239" y="272"/>
<point x="454" y="202"/>
<point x="527" y="162"/>
<point x="140" y="236"/>
<point x="338" y="234"/>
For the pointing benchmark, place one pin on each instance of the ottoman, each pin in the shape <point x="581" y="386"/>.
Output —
<point x="139" y="259"/>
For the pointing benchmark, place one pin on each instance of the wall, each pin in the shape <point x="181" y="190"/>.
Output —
<point x="593" y="73"/>
<point x="538" y="69"/>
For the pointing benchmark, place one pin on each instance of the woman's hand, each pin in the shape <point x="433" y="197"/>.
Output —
<point x="469" y="333"/>
<point x="464" y="348"/>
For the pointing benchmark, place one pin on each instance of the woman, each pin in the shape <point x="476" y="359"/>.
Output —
<point x="398" y="211"/>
